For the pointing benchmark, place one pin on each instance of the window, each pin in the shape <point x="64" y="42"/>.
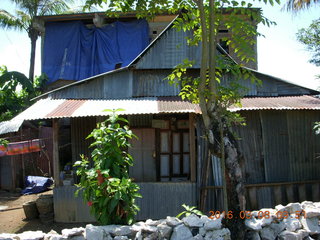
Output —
<point x="173" y="155"/>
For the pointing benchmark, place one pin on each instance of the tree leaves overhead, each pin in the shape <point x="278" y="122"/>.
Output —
<point x="310" y="37"/>
<point x="298" y="5"/>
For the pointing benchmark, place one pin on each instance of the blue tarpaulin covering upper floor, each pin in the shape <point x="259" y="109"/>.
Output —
<point x="72" y="51"/>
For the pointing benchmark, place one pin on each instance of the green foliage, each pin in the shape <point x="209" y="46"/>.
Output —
<point x="4" y="142"/>
<point x="189" y="210"/>
<point x="106" y="185"/>
<point x="310" y="37"/>
<point x="16" y="90"/>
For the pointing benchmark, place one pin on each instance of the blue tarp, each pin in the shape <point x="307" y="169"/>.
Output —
<point x="36" y="184"/>
<point x="74" y="52"/>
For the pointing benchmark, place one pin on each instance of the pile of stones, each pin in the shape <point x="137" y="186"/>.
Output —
<point x="191" y="227"/>
<point x="295" y="221"/>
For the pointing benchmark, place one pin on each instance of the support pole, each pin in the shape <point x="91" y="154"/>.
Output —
<point x="56" y="165"/>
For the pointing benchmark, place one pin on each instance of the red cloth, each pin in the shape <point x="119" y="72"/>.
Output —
<point x="16" y="148"/>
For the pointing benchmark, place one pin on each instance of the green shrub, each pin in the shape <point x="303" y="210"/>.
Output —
<point x="106" y="186"/>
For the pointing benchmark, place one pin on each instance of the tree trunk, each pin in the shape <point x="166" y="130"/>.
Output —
<point x="33" y="35"/>
<point x="234" y="180"/>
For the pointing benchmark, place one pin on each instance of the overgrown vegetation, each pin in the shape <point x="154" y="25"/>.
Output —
<point x="104" y="182"/>
<point x="16" y="90"/>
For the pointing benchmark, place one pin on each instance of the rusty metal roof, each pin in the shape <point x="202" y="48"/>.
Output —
<point x="303" y="102"/>
<point x="65" y="108"/>
<point x="69" y="108"/>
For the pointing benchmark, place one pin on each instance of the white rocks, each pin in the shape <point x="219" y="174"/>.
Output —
<point x="267" y="233"/>
<point x="122" y="231"/>
<point x="192" y="221"/>
<point x="173" y="221"/>
<point x="31" y="235"/>
<point x="181" y="232"/>
<point x="287" y="235"/>
<point x="164" y="230"/>
<point x="265" y="224"/>
<point x="253" y="224"/>
<point x="225" y="233"/>
<point x="8" y="236"/>
<point x="311" y="225"/>
<point x="94" y="232"/>
<point x="293" y="208"/>
<point x="212" y="224"/>
<point x="72" y="232"/>
<point x="292" y="223"/>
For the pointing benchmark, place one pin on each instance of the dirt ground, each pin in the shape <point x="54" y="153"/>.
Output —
<point x="12" y="219"/>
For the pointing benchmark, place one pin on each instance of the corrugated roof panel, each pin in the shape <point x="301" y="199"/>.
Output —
<point x="130" y="107"/>
<point x="279" y="103"/>
<point x="67" y="108"/>
<point x="176" y="105"/>
<point x="10" y="126"/>
<point x="39" y="110"/>
<point x="60" y="108"/>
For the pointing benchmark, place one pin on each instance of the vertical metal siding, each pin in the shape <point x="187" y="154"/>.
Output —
<point x="250" y="144"/>
<point x="153" y="83"/>
<point x="304" y="145"/>
<point x="111" y="86"/>
<point x="275" y="145"/>
<point x="164" y="199"/>
<point x="154" y="203"/>
<point x="68" y="208"/>
<point x="80" y="129"/>
<point x="5" y="173"/>
<point x="170" y="51"/>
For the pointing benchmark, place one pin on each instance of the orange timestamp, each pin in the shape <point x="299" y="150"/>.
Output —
<point x="257" y="214"/>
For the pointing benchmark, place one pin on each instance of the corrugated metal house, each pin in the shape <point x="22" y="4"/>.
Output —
<point x="279" y="146"/>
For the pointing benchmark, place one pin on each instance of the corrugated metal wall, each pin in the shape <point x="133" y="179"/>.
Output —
<point x="280" y="145"/>
<point x="280" y="151"/>
<point x="164" y="199"/>
<point x="158" y="201"/>
<point x="6" y="173"/>
<point x="150" y="83"/>
<point x="68" y="208"/>
<point x="272" y="87"/>
<point x="80" y="129"/>
<point x="111" y="86"/>
<point x="170" y="51"/>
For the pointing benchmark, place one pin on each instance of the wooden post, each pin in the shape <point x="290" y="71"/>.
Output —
<point x="192" y="148"/>
<point x="56" y="164"/>
<point x="22" y="162"/>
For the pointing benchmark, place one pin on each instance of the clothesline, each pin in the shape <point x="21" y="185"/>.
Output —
<point x="22" y="147"/>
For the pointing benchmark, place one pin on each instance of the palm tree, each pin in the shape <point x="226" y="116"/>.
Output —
<point x="25" y="17"/>
<point x="296" y="5"/>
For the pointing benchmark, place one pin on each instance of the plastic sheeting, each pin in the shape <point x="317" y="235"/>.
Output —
<point x="36" y="184"/>
<point x="72" y="51"/>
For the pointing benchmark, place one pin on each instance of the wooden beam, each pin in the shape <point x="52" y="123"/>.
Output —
<point x="56" y="163"/>
<point x="192" y="145"/>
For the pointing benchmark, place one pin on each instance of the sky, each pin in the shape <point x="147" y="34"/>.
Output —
<point x="279" y="53"/>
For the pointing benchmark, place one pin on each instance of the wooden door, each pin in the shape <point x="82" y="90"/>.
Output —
<point x="142" y="151"/>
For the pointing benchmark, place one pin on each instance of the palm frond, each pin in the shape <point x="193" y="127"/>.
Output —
<point x="8" y="20"/>
<point x="25" y="18"/>
<point x="48" y="7"/>
<point x="18" y="77"/>
<point x="297" y="5"/>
